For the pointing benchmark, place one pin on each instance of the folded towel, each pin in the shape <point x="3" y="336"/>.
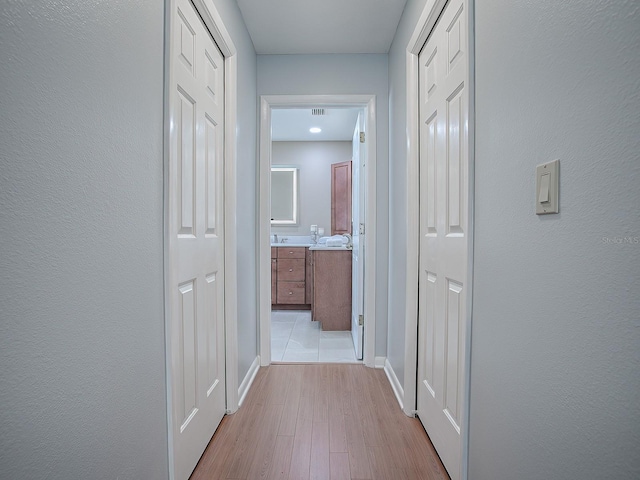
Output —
<point x="336" y="241"/>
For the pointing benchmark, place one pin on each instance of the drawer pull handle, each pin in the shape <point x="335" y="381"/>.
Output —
<point x="290" y="253"/>
<point x="291" y="269"/>
<point x="290" y="293"/>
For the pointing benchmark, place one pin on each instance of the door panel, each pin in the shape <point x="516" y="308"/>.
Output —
<point x="215" y="331"/>
<point x="212" y="175"/>
<point x="196" y="239"/>
<point x="186" y="133"/>
<point x="444" y="186"/>
<point x="188" y="352"/>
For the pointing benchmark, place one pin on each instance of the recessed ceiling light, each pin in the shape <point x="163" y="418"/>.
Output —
<point x="315" y="130"/>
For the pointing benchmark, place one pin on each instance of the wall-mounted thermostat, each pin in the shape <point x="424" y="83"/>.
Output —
<point x="547" y="188"/>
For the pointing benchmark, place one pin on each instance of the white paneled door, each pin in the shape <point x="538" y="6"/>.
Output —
<point x="357" y="263"/>
<point x="444" y="230"/>
<point x="196" y="238"/>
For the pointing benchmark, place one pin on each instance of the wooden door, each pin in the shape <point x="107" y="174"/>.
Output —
<point x="196" y="238"/>
<point x="444" y="230"/>
<point x="341" y="198"/>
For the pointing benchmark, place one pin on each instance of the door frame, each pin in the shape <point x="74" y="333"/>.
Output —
<point x="427" y="21"/>
<point x="267" y="104"/>
<point x="213" y="22"/>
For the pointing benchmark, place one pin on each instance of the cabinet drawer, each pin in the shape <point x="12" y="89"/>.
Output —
<point x="291" y="292"/>
<point x="291" y="269"/>
<point x="291" y="252"/>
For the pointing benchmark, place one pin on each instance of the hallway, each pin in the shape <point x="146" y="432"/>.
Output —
<point x="320" y="422"/>
<point x="554" y="300"/>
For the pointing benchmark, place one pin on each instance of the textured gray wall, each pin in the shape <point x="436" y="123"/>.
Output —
<point x="556" y="327"/>
<point x="82" y="377"/>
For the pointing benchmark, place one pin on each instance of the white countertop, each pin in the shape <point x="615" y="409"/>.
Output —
<point x="292" y="245"/>
<point x="324" y="247"/>
<point x="310" y="246"/>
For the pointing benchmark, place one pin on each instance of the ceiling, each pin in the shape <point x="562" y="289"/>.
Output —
<point x="293" y="124"/>
<point x="321" y="26"/>
<point x="282" y="27"/>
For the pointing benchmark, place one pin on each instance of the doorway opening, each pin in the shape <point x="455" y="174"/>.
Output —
<point x="315" y="160"/>
<point x="300" y="261"/>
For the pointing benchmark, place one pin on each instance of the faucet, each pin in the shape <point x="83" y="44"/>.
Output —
<point x="275" y="238"/>
<point x="283" y="240"/>
<point x="349" y="240"/>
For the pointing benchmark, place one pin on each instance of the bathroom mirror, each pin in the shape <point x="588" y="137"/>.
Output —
<point x="284" y="195"/>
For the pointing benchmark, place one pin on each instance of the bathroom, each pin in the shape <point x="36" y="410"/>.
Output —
<point x="314" y="192"/>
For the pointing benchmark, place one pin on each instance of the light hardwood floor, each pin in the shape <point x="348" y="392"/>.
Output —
<point x="320" y="421"/>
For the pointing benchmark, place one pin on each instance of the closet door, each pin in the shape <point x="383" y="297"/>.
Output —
<point x="196" y="238"/>
<point x="444" y="230"/>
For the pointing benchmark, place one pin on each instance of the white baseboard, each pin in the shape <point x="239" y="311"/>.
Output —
<point x="379" y="362"/>
<point x="395" y="383"/>
<point x="248" y="380"/>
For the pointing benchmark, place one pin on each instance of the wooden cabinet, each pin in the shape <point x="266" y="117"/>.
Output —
<point x="289" y="277"/>
<point x="309" y="277"/>
<point x="274" y="274"/>
<point x="332" y="289"/>
<point x="341" y="198"/>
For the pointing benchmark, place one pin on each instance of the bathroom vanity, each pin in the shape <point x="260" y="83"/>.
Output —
<point x="291" y="277"/>
<point x="316" y="278"/>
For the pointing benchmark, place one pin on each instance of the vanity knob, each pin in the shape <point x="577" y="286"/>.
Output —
<point x="291" y="269"/>
<point x="290" y="293"/>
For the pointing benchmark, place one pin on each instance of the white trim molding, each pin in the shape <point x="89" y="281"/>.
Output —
<point x="412" y="245"/>
<point x="395" y="384"/>
<point x="267" y="104"/>
<point x="248" y="380"/>
<point x="230" y="223"/>
<point x="264" y="232"/>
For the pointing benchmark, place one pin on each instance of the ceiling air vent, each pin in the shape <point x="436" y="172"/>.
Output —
<point x="317" y="111"/>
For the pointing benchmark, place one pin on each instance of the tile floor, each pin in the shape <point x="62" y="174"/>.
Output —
<point x="295" y="338"/>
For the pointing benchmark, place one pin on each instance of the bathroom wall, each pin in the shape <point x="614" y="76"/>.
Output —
<point x="314" y="161"/>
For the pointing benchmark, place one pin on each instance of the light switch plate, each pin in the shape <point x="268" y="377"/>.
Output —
<point x="547" y="189"/>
